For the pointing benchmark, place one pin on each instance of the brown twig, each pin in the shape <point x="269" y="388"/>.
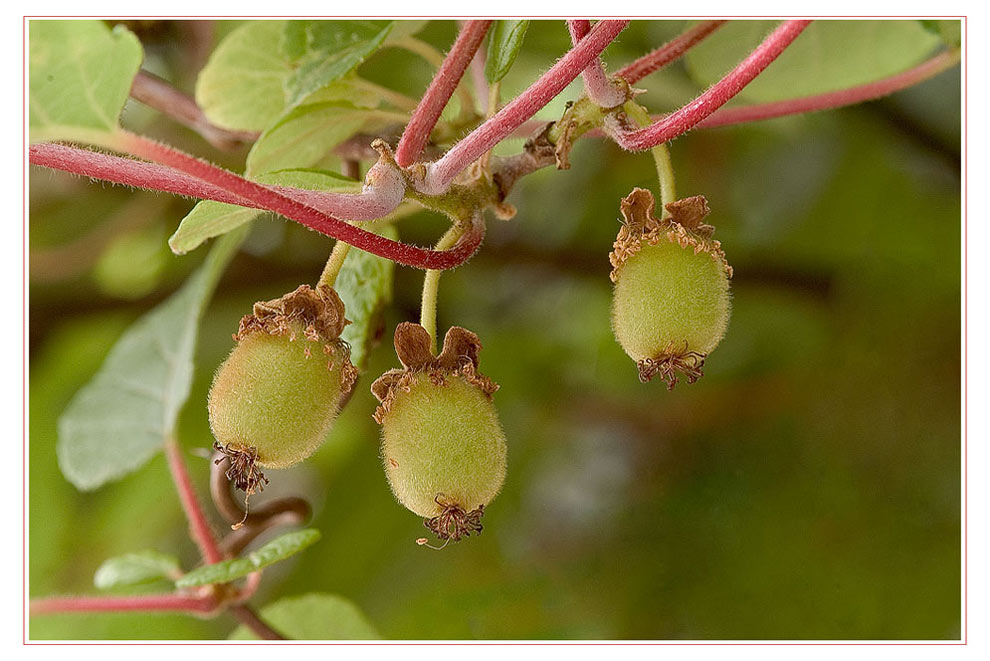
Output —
<point x="250" y="619"/>
<point x="157" y="93"/>
<point x="282" y="512"/>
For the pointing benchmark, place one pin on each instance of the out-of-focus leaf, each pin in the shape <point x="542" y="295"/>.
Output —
<point x="948" y="31"/>
<point x="324" y="51"/>
<point x="131" y="265"/>
<point x="209" y="219"/>
<point x="314" y="616"/>
<point x="365" y="285"/>
<point x="135" y="569"/>
<point x="503" y="45"/>
<point x="827" y="56"/>
<point x="278" y="549"/>
<point x="242" y="85"/>
<point x="403" y="29"/>
<point x="80" y="76"/>
<point x="305" y="135"/>
<point x="121" y="418"/>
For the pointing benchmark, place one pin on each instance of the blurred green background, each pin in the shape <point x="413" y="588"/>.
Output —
<point x="807" y="487"/>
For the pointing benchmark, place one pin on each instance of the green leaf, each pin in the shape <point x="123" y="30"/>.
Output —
<point x="365" y="285"/>
<point x="135" y="569"/>
<point x="827" y="56"/>
<point x="305" y="135"/>
<point x="123" y="416"/>
<point x="264" y="69"/>
<point x="209" y="219"/>
<point x="278" y="549"/>
<point x="949" y="32"/>
<point x="325" y="51"/>
<point x="80" y="76"/>
<point x="503" y="45"/>
<point x="242" y="85"/>
<point x="314" y="616"/>
<point x="403" y="29"/>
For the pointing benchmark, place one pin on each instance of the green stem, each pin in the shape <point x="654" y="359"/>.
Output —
<point x="431" y="285"/>
<point x="661" y="156"/>
<point x="334" y="264"/>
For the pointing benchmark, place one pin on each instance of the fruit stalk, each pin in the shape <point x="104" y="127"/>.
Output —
<point x="661" y="156"/>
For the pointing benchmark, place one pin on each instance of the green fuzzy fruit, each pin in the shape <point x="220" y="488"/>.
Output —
<point x="277" y="395"/>
<point x="274" y="399"/>
<point x="443" y="444"/>
<point x="666" y="295"/>
<point x="670" y="305"/>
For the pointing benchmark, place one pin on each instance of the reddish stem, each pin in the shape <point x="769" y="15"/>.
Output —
<point x="127" y="171"/>
<point x="199" y="528"/>
<point x="669" y="52"/>
<point x="250" y="619"/>
<point x="837" y="99"/>
<point x="151" y="602"/>
<point x="441" y="173"/>
<point x="157" y="93"/>
<point x="374" y="202"/>
<point x="596" y="84"/>
<point x="271" y="199"/>
<point x="716" y="96"/>
<point x="417" y="132"/>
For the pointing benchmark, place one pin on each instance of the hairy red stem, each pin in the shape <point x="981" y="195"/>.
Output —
<point x="441" y="173"/>
<point x="670" y="51"/>
<point x="417" y="132"/>
<point x="127" y="171"/>
<point x="150" y="602"/>
<point x="374" y="202"/>
<point x="199" y="527"/>
<point x="837" y="99"/>
<point x="596" y="84"/>
<point x="259" y="196"/>
<point x="716" y="96"/>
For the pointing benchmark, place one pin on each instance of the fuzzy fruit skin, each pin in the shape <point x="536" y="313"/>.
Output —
<point x="666" y="295"/>
<point x="270" y="395"/>
<point x="443" y="440"/>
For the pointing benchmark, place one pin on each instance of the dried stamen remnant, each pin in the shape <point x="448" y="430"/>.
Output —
<point x="319" y="312"/>
<point x="243" y="472"/>
<point x="414" y="347"/>
<point x="453" y="522"/>
<point x="684" y="227"/>
<point x="670" y="363"/>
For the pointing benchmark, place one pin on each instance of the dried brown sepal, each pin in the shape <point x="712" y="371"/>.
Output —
<point x="318" y="312"/>
<point x="684" y="226"/>
<point x="454" y="523"/>
<point x="243" y="472"/>
<point x="671" y="363"/>
<point x="414" y="347"/>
